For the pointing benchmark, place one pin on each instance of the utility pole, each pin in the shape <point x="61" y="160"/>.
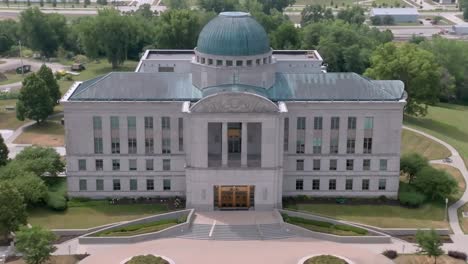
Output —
<point x="21" y="58"/>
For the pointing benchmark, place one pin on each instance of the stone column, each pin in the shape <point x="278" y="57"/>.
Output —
<point x="224" y="145"/>
<point x="244" y="139"/>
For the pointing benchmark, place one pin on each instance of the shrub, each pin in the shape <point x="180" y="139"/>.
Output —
<point x="391" y="254"/>
<point x="435" y="184"/>
<point x="56" y="201"/>
<point x="148" y="259"/>
<point x="329" y="259"/>
<point x="412" y="199"/>
<point x="457" y="255"/>
<point x="351" y="229"/>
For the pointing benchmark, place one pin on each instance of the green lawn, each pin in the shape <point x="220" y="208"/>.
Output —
<point x="90" y="214"/>
<point x="325" y="227"/>
<point x="12" y="77"/>
<point x="422" y="259"/>
<point x="414" y="142"/>
<point x="463" y="220"/>
<point x="138" y="229"/>
<point x="49" y="133"/>
<point x="447" y="122"/>
<point x="8" y="118"/>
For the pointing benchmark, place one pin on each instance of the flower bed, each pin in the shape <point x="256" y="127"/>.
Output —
<point x="142" y="228"/>
<point x="325" y="227"/>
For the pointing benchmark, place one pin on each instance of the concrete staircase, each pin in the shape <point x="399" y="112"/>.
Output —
<point x="198" y="231"/>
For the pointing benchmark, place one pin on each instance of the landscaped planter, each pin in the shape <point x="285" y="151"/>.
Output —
<point x="331" y="259"/>
<point x="168" y="260"/>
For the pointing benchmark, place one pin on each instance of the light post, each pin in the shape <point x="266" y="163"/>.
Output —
<point x="21" y="58"/>
<point x="446" y="209"/>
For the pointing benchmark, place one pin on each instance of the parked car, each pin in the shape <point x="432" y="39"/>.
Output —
<point x="23" y="69"/>
<point x="78" y="67"/>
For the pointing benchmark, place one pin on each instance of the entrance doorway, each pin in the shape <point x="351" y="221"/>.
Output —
<point x="234" y="197"/>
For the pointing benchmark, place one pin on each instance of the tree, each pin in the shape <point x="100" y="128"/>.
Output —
<point x="87" y="2"/>
<point x="7" y="3"/>
<point x="315" y="13"/>
<point x="279" y="5"/>
<point x="35" y="243"/>
<point x="3" y="152"/>
<point x="41" y="3"/>
<point x="54" y="3"/>
<point x="218" y="6"/>
<point x="177" y="4"/>
<point x="416" y="39"/>
<point x="465" y="13"/>
<point x="144" y="11"/>
<point x="251" y="6"/>
<point x="353" y="15"/>
<point x="8" y="34"/>
<point x="416" y="67"/>
<point x="388" y="20"/>
<point x="40" y="160"/>
<point x="435" y="184"/>
<point x="45" y="73"/>
<point x="12" y="208"/>
<point x="429" y="243"/>
<point x="375" y="20"/>
<point x="285" y="37"/>
<point x="272" y="21"/>
<point x="34" y="101"/>
<point x="412" y="163"/>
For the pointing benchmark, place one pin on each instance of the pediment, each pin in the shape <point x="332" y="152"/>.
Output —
<point x="234" y="102"/>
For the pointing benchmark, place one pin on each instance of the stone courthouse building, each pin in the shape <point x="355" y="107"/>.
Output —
<point x="233" y="124"/>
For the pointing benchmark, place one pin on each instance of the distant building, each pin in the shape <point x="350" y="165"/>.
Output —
<point x="445" y="1"/>
<point x="400" y="15"/>
<point x="460" y="29"/>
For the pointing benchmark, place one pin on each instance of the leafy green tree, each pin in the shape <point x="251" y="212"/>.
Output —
<point x="416" y="67"/>
<point x="272" y="21"/>
<point x="12" y="208"/>
<point x="353" y="15"/>
<point x="251" y="6"/>
<point x="41" y="3"/>
<point x="54" y="3"/>
<point x="279" y="5"/>
<point x="8" y="34"/>
<point x="40" y="160"/>
<point x="218" y="6"/>
<point x="435" y="184"/>
<point x="412" y="163"/>
<point x="45" y="73"/>
<point x="285" y="37"/>
<point x="34" y="101"/>
<point x="87" y="2"/>
<point x="416" y="39"/>
<point x="31" y="187"/>
<point x="315" y="13"/>
<point x="429" y="243"/>
<point x="144" y="11"/>
<point x="177" y="4"/>
<point x="3" y="152"/>
<point x="376" y="20"/>
<point x="35" y="243"/>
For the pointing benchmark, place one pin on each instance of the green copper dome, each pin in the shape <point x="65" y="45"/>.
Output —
<point x="233" y="34"/>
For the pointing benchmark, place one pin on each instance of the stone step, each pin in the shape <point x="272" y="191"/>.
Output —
<point x="237" y="232"/>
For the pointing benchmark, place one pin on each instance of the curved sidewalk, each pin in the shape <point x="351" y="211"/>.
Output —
<point x="457" y="162"/>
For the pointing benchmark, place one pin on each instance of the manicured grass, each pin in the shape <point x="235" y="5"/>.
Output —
<point x="325" y="259"/>
<point x="421" y="259"/>
<point x="139" y="229"/>
<point x="48" y="133"/>
<point x="325" y="227"/>
<point x="390" y="3"/>
<point x="12" y="77"/>
<point x="447" y="122"/>
<point x="463" y="220"/>
<point x="92" y="213"/>
<point x="456" y="174"/>
<point x="8" y="118"/>
<point x="386" y="216"/>
<point x="414" y="142"/>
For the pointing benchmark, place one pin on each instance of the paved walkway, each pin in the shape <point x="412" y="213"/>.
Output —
<point x="457" y="162"/>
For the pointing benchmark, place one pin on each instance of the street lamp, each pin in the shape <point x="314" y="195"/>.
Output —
<point x="446" y="209"/>
<point x="21" y="58"/>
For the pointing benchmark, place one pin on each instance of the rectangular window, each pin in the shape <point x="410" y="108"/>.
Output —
<point x="98" y="148"/>
<point x="299" y="185"/>
<point x="114" y="122"/>
<point x="349" y="184"/>
<point x="116" y="185"/>
<point x="82" y="164"/>
<point x="132" y="145"/>
<point x="349" y="164"/>
<point x="181" y="134"/>
<point x="301" y="123"/>
<point x="83" y="185"/>
<point x="99" y="185"/>
<point x="286" y="135"/>
<point x="115" y="145"/>
<point x="149" y="145"/>
<point x="315" y="184"/>
<point x="332" y="184"/>
<point x="149" y="184"/>
<point x="210" y="61"/>
<point x="352" y="122"/>
<point x="350" y="146"/>
<point x="166" y="164"/>
<point x="335" y="123"/>
<point x="131" y="122"/>
<point x="132" y="164"/>
<point x="333" y="145"/>
<point x="166" y="145"/>
<point x="317" y="148"/>
<point x="229" y="63"/>
<point x="99" y="164"/>
<point x="318" y="120"/>
<point x="367" y="148"/>
<point x="368" y="123"/>
<point x="366" y="164"/>
<point x="300" y="146"/>
<point x="166" y="184"/>
<point x="97" y="123"/>
<point x="219" y="62"/>
<point x="133" y="185"/>
<point x="249" y="62"/>
<point x="365" y="184"/>
<point x="148" y="122"/>
<point x="316" y="164"/>
<point x="115" y="164"/>
<point x="149" y="164"/>
<point x="383" y="164"/>
<point x="165" y="122"/>
<point x="300" y="165"/>
<point x="239" y="63"/>
<point x="382" y="184"/>
<point x="97" y="129"/>
<point x="333" y="164"/>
